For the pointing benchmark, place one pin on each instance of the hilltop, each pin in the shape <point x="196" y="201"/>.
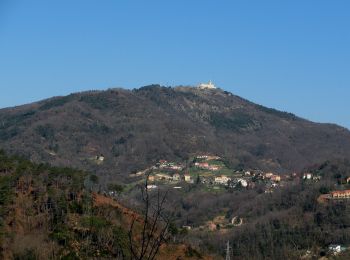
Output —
<point x="118" y="131"/>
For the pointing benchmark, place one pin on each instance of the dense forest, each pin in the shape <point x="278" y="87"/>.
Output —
<point x="53" y="213"/>
<point x="49" y="211"/>
<point x="285" y="224"/>
<point x="133" y="129"/>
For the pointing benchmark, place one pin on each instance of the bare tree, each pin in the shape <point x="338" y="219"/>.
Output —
<point x="154" y="225"/>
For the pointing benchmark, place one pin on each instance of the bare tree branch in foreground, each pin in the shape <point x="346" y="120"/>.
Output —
<point x="154" y="225"/>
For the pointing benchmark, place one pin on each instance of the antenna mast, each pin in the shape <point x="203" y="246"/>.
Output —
<point x="228" y="253"/>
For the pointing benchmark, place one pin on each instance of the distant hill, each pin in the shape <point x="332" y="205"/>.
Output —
<point x="128" y="130"/>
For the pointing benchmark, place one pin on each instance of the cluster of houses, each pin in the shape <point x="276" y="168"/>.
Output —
<point x="310" y="176"/>
<point x="340" y="194"/>
<point x="336" y="249"/>
<point x="176" y="177"/>
<point x="210" y="180"/>
<point x="273" y="177"/>
<point x="173" y="172"/>
<point x="230" y="182"/>
<point x="207" y="166"/>
<point x="223" y="179"/>
<point x="208" y="157"/>
<point x="163" y="164"/>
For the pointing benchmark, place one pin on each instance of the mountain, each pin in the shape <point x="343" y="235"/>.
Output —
<point x="118" y="131"/>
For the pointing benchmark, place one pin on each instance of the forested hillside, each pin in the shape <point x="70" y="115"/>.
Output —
<point x="52" y="213"/>
<point x="289" y="223"/>
<point x="55" y="211"/>
<point x="118" y="131"/>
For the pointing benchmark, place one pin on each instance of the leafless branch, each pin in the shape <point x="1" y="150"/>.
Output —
<point x="155" y="225"/>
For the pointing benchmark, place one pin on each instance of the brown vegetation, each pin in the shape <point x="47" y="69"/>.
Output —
<point x="134" y="129"/>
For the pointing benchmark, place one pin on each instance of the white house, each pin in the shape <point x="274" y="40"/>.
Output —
<point x="268" y="175"/>
<point x="335" y="248"/>
<point x="202" y="156"/>
<point x="307" y="176"/>
<point x="243" y="183"/>
<point x="100" y="158"/>
<point x="188" y="178"/>
<point x="187" y="227"/>
<point x="176" y="167"/>
<point x="163" y="176"/>
<point x="222" y="179"/>
<point x="176" y="177"/>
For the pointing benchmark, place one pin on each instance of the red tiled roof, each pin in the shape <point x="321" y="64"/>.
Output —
<point x="340" y="192"/>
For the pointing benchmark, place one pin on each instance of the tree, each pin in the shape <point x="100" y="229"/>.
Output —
<point x="154" y="225"/>
<point x="324" y="190"/>
<point x="116" y="188"/>
<point x="173" y="230"/>
<point x="94" y="179"/>
<point x="198" y="180"/>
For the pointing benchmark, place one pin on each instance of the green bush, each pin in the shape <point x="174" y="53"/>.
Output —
<point x="116" y="187"/>
<point x="94" y="222"/>
<point x="62" y="236"/>
<point x="324" y="190"/>
<point x="121" y="240"/>
<point x="76" y="207"/>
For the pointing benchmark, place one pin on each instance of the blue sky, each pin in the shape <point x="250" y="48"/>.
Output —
<point x="291" y="55"/>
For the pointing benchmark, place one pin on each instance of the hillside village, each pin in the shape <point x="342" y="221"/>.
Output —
<point x="213" y="173"/>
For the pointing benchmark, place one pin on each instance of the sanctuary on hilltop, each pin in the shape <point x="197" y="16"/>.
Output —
<point x="208" y="85"/>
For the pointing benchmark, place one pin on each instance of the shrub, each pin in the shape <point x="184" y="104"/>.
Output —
<point x="94" y="222"/>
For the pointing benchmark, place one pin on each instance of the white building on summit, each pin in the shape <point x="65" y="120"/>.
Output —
<point x="209" y="85"/>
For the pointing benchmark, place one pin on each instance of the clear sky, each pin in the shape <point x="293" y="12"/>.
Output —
<point x="292" y="55"/>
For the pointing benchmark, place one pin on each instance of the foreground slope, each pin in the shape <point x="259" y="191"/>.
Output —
<point x="134" y="128"/>
<point x="51" y="213"/>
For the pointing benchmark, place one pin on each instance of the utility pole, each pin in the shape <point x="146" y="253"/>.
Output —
<point x="228" y="253"/>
